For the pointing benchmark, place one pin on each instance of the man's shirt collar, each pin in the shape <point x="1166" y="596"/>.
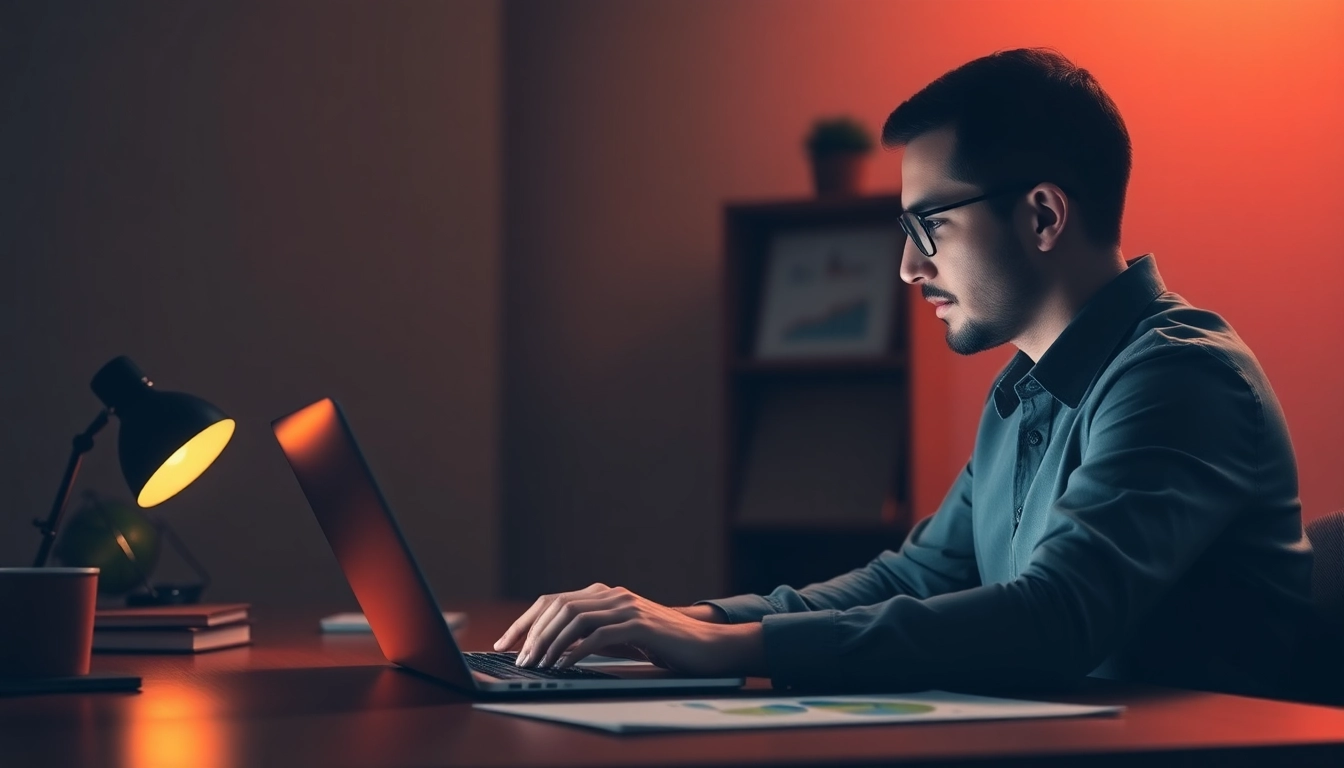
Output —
<point x="1074" y="359"/>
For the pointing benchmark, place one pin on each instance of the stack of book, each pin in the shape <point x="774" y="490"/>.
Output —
<point x="172" y="628"/>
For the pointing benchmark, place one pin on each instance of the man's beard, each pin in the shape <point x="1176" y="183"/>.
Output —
<point x="1006" y="298"/>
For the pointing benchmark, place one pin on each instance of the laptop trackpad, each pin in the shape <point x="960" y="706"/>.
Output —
<point x="635" y="670"/>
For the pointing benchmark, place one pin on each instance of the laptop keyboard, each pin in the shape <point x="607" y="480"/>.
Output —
<point x="502" y="665"/>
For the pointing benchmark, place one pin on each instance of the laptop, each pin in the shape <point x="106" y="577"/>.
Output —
<point x="391" y="589"/>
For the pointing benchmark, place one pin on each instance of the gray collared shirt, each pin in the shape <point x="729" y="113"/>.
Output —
<point x="1130" y="510"/>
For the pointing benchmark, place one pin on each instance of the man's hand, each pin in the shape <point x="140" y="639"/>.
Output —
<point x="559" y="630"/>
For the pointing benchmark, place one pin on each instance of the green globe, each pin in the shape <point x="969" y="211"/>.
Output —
<point x="89" y="539"/>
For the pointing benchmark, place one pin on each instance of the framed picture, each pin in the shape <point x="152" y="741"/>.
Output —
<point x="828" y="293"/>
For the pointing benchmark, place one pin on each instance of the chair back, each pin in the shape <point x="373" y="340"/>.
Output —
<point x="1319" y="667"/>
<point x="1327" y="570"/>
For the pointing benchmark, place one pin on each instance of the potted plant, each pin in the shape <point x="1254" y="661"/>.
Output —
<point x="839" y="149"/>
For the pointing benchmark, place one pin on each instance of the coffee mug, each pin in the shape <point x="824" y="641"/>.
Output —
<point x="46" y="621"/>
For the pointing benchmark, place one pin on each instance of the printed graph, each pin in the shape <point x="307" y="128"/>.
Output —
<point x="856" y="708"/>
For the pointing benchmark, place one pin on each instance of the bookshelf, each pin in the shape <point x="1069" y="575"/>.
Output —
<point x="816" y="447"/>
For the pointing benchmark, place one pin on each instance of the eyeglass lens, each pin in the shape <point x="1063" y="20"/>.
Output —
<point x="914" y="229"/>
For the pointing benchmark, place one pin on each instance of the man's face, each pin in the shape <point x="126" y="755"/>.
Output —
<point x="980" y="279"/>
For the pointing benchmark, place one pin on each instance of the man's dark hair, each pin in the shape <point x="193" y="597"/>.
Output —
<point x="1028" y="115"/>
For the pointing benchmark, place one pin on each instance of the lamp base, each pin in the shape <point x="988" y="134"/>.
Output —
<point x="167" y="594"/>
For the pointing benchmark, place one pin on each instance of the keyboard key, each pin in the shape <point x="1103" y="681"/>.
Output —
<point x="504" y="665"/>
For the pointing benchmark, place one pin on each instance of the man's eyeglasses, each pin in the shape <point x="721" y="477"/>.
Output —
<point x="917" y="229"/>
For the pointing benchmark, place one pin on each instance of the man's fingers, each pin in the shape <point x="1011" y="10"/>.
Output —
<point x="554" y="620"/>
<point x="543" y="635"/>
<point x="596" y="616"/>
<point x="525" y="622"/>
<point x="522" y="623"/>
<point x="528" y="651"/>
<point x="547" y="615"/>
<point x="611" y="634"/>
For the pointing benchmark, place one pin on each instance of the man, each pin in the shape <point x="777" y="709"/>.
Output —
<point x="1130" y="509"/>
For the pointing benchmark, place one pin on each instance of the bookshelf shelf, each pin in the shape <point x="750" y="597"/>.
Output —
<point x="816" y="449"/>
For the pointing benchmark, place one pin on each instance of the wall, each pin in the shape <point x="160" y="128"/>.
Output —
<point x="629" y="125"/>
<point x="261" y="204"/>
<point x="269" y="203"/>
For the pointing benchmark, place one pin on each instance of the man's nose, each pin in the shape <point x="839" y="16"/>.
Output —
<point x="915" y="266"/>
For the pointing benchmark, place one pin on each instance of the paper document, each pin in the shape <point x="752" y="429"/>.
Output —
<point x="356" y="622"/>
<point x="791" y="712"/>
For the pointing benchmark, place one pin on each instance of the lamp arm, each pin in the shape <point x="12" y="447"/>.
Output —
<point x="83" y="443"/>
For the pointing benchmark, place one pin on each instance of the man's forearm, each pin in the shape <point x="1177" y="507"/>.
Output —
<point x="744" y="648"/>
<point x="704" y="613"/>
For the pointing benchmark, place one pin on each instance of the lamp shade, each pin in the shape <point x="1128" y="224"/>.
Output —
<point x="167" y="438"/>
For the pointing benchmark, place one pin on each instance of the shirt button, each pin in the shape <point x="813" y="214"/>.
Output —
<point x="1017" y="516"/>
<point x="1032" y="386"/>
<point x="1034" y="437"/>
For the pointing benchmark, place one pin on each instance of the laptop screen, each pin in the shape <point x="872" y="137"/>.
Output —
<point x="367" y="542"/>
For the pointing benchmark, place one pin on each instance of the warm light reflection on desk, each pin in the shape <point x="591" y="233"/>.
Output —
<point x="177" y="725"/>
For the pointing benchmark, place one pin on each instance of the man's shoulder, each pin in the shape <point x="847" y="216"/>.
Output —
<point x="1176" y="345"/>
<point x="1175" y="328"/>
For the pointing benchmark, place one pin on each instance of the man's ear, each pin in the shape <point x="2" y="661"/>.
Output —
<point x="1049" y="208"/>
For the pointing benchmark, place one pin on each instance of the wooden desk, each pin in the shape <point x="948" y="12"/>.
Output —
<point x="298" y="698"/>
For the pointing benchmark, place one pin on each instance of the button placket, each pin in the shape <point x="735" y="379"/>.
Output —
<point x="1031" y="437"/>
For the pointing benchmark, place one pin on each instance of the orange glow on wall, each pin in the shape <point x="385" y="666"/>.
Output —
<point x="1235" y="111"/>
<point x="645" y="118"/>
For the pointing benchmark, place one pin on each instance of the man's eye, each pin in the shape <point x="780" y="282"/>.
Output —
<point x="932" y="224"/>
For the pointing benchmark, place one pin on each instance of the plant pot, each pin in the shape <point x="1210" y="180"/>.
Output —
<point x="840" y="174"/>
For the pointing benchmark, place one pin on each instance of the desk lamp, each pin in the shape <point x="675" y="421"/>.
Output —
<point x="167" y="440"/>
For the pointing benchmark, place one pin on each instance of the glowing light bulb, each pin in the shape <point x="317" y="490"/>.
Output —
<point x="177" y="458"/>
<point x="186" y="464"/>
